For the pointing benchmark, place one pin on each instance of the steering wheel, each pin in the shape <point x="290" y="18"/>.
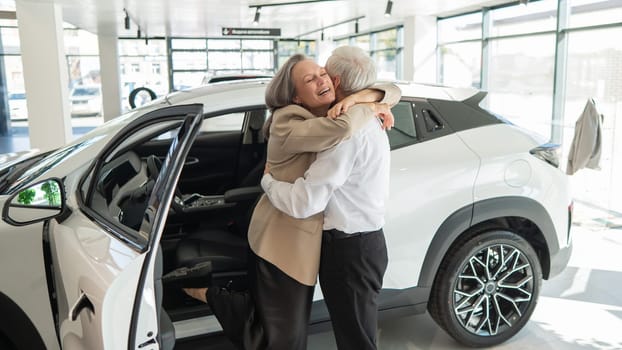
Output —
<point x="154" y="165"/>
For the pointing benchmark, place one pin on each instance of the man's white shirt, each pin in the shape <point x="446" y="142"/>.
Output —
<point x="349" y="182"/>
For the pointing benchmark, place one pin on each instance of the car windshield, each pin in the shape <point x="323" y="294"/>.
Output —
<point x="85" y="91"/>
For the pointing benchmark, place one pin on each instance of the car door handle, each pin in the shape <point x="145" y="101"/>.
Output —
<point x="82" y="303"/>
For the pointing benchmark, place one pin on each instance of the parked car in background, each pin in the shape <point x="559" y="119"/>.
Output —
<point x="17" y="106"/>
<point x="86" y="100"/>
<point x="96" y="236"/>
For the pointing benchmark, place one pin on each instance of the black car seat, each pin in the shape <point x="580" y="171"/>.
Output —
<point x="226" y="249"/>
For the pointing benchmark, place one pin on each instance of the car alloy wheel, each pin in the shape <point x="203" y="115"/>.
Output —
<point x="493" y="290"/>
<point x="486" y="288"/>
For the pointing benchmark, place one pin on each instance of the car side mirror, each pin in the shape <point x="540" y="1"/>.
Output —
<point x="41" y="201"/>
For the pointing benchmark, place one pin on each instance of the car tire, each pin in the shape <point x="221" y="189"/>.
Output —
<point x="132" y="97"/>
<point x="5" y="344"/>
<point x="486" y="288"/>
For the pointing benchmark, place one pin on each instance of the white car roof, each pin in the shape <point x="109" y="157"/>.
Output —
<point x="223" y="95"/>
<point x="243" y="90"/>
<point x="411" y="89"/>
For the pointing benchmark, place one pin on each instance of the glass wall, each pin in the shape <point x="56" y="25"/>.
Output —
<point x="595" y="73"/>
<point x="536" y="73"/>
<point x="384" y="46"/>
<point x="520" y="82"/>
<point x="142" y="65"/>
<point x="194" y="60"/>
<point x="287" y="48"/>
<point x="460" y="50"/>
<point x="13" y="72"/>
<point x="85" y="96"/>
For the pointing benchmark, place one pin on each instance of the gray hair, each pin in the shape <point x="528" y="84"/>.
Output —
<point x="281" y="90"/>
<point x="355" y="68"/>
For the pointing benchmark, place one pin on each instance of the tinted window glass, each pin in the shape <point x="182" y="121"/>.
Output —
<point x="404" y="132"/>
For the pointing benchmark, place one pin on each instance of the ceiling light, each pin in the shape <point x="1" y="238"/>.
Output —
<point x="387" y="12"/>
<point x="126" y="20"/>
<point x="257" y="13"/>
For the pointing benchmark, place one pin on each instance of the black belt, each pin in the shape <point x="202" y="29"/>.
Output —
<point x="336" y="234"/>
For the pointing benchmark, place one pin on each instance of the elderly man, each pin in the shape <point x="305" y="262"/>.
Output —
<point x="350" y="184"/>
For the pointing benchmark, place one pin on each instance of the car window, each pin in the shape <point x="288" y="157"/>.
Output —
<point x="223" y="123"/>
<point x="226" y="122"/>
<point x="403" y="132"/>
<point x="123" y="184"/>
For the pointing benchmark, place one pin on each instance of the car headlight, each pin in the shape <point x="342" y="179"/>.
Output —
<point x="548" y="152"/>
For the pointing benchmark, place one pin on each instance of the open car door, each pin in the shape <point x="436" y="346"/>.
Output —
<point x="106" y="275"/>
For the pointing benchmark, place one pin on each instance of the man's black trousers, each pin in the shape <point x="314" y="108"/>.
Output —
<point x="351" y="271"/>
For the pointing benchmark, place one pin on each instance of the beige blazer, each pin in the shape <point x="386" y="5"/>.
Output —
<point x="585" y="149"/>
<point x="296" y="135"/>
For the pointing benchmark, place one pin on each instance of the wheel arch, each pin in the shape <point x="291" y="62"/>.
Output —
<point x="18" y="328"/>
<point x="522" y="215"/>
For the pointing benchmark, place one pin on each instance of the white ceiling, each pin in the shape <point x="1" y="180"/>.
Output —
<point x="200" y="18"/>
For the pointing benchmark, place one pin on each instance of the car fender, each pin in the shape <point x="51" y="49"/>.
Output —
<point x="468" y="216"/>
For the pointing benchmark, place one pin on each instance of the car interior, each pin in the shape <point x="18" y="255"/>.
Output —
<point x="204" y="243"/>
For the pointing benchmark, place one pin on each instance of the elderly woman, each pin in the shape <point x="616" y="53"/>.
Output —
<point x="286" y="250"/>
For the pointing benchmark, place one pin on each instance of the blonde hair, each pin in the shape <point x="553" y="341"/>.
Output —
<point x="353" y="66"/>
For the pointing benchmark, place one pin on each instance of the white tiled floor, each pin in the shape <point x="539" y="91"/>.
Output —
<point x="579" y="309"/>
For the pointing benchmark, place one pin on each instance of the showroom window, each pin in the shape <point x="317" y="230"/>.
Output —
<point x="594" y="73"/>
<point x="540" y="71"/>
<point x="194" y="60"/>
<point x="142" y="65"/>
<point x="82" y="58"/>
<point x="13" y="73"/>
<point x="520" y="83"/>
<point x="384" y="46"/>
<point x="460" y="50"/>
<point x="287" y="48"/>
<point x="85" y="97"/>
<point x="519" y="80"/>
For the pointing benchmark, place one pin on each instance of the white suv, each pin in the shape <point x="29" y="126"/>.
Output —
<point x="479" y="214"/>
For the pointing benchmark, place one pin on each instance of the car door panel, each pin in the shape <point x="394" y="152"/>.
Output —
<point x="106" y="283"/>
<point x="102" y="258"/>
